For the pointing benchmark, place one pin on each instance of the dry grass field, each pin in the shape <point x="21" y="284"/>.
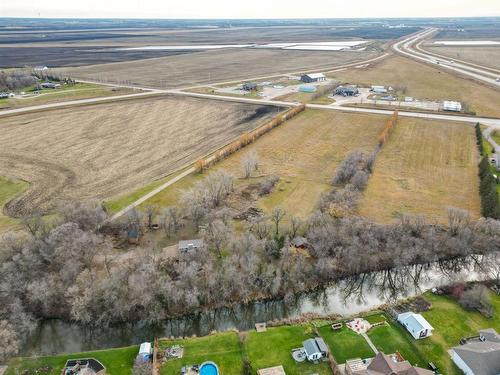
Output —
<point x="425" y="82"/>
<point x="424" y="168"/>
<point x="214" y="66"/>
<point x="304" y="152"/>
<point x="486" y="56"/>
<point x="103" y="150"/>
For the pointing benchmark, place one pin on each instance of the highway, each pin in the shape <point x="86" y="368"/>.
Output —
<point x="406" y="48"/>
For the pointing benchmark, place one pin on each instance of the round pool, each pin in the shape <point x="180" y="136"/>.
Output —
<point x="209" y="368"/>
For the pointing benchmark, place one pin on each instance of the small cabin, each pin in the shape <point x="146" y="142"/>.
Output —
<point x="190" y="246"/>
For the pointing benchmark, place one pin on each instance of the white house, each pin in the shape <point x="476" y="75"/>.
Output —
<point x="479" y="357"/>
<point x="416" y="324"/>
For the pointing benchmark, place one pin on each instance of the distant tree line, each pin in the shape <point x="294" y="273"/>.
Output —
<point x="487" y="182"/>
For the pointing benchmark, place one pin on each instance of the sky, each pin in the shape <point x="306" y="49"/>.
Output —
<point x="248" y="9"/>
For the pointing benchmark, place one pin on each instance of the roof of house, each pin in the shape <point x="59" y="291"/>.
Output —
<point x="311" y="347"/>
<point x="321" y="344"/>
<point x="482" y="357"/>
<point x="315" y="75"/>
<point x="416" y="321"/>
<point x="385" y="364"/>
<point x="190" y="243"/>
<point x="490" y="334"/>
<point x="277" y="370"/>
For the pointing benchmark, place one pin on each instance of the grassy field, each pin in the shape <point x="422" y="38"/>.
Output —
<point x="484" y="55"/>
<point x="345" y="344"/>
<point x="273" y="348"/>
<point x="424" y="82"/>
<point x="65" y="93"/>
<point x="224" y="349"/>
<point x="451" y="322"/>
<point x="424" y="168"/>
<point x="102" y="151"/>
<point x="488" y="150"/>
<point x="117" y="362"/>
<point x="9" y="188"/>
<point x="391" y="337"/>
<point x="304" y="152"/>
<point x="215" y="66"/>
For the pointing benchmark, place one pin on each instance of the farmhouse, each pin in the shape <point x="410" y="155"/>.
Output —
<point x="479" y="356"/>
<point x="249" y="86"/>
<point x="416" y="324"/>
<point x="313" y="77"/>
<point x="315" y="349"/>
<point x="384" y="364"/>
<point x="452" y="106"/>
<point x="189" y="246"/>
<point x="349" y="90"/>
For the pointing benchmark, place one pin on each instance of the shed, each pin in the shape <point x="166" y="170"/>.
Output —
<point x="300" y="242"/>
<point x="188" y="246"/>
<point x="145" y="350"/>
<point x="379" y="89"/>
<point x="452" y="106"/>
<point x="313" y="77"/>
<point x="416" y="324"/>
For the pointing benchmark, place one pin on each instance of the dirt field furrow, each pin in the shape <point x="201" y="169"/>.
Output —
<point x="104" y="150"/>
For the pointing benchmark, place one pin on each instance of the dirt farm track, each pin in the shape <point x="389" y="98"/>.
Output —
<point x="104" y="150"/>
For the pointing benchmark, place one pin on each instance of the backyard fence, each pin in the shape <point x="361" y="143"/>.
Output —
<point x="246" y="139"/>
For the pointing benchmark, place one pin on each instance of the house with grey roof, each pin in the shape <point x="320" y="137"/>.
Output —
<point x="315" y="348"/>
<point x="479" y="357"/>
<point x="416" y="324"/>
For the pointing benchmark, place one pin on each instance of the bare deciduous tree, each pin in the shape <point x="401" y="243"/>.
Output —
<point x="277" y="214"/>
<point x="250" y="163"/>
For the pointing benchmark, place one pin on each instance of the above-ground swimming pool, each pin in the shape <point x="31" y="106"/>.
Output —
<point x="209" y="368"/>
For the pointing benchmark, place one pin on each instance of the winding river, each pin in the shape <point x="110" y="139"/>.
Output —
<point x="347" y="297"/>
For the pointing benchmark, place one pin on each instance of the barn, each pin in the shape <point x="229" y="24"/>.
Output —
<point x="313" y="77"/>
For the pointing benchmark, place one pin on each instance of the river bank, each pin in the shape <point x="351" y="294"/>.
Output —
<point x="231" y="347"/>
<point x="345" y="298"/>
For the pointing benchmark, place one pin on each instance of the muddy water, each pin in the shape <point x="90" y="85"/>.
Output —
<point x="347" y="297"/>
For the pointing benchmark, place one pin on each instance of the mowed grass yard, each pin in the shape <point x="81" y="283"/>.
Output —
<point x="117" y="361"/>
<point x="345" y="344"/>
<point x="424" y="168"/>
<point x="304" y="152"/>
<point x="425" y="82"/>
<point x="262" y="350"/>
<point x="451" y="322"/>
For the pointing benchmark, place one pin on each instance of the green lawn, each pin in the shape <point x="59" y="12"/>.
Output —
<point x="9" y="188"/>
<point x="117" y="362"/>
<point x="345" y="344"/>
<point x="223" y="349"/>
<point x="273" y="348"/>
<point x="451" y="323"/>
<point x="488" y="150"/>
<point x="391" y="337"/>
